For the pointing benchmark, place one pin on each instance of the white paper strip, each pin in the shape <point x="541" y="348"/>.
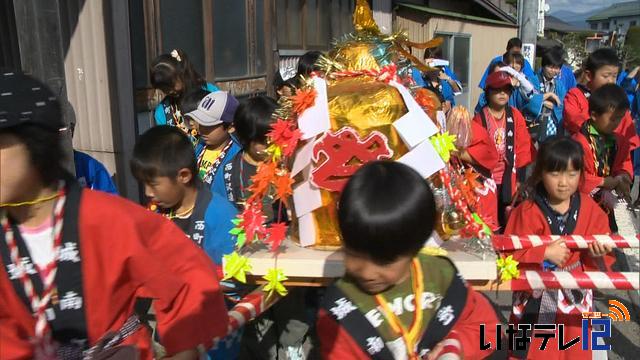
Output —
<point x="315" y="120"/>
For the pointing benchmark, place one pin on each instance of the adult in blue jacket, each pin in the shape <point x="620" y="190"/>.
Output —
<point x="546" y="106"/>
<point x="447" y="86"/>
<point x="514" y="46"/>
<point x="92" y="174"/>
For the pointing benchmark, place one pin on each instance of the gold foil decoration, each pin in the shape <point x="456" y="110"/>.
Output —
<point x="364" y="104"/>
<point x="357" y="57"/>
<point x="363" y="18"/>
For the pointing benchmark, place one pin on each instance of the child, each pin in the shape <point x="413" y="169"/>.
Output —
<point x="211" y="115"/>
<point x="459" y="123"/>
<point x="607" y="156"/>
<point x="523" y="88"/>
<point x="164" y="163"/>
<point x="545" y="108"/>
<point x="96" y="253"/>
<point x="507" y="130"/>
<point x="252" y="122"/>
<point x="393" y="301"/>
<point x="556" y="207"/>
<point x="175" y="76"/>
<point x="601" y="68"/>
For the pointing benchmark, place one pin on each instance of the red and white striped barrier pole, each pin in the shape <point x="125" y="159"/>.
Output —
<point x="250" y="307"/>
<point x="541" y="280"/>
<point x="574" y="242"/>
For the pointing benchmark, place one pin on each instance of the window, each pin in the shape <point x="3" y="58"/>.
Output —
<point x="456" y="48"/>
<point x="312" y="24"/>
<point x="230" y="40"/>
<point x="226" y="40"/>
<point x="605" y="25"/>
<point x="632" y="23"/>
<point x="594" y="26"/>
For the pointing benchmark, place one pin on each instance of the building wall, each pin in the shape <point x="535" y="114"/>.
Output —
<point x="617" y="23"/>
<point x="487" y="41"/>
<point x="87" y="80"/>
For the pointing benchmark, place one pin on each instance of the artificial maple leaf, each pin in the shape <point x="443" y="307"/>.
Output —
<point x="275" y="152"/>
<point x="276" y="233"/>
<point x="283" y="184"/>
<point x="467" y="192"/>
<point x="260" y="182"/>
<point x="274" y="278"/>
<point x="444" y="144"/>
<point x="303" y="99"/>
<point x="285" y="135"/>
<point x="236" y="266"/>
<point x="253" y="222"/>
<point x="238" y="232"/>
<point x="471" y="177"/>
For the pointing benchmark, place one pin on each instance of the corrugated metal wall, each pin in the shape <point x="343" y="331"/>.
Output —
<point x="87" y="79"/>
<point x="487" y="41"/>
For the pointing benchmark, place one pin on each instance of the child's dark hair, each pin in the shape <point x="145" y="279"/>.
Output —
<point x="608" y="97"/>
<point x="45" y="150"/>
<point x="434" y="53"/>
<point x="162" y="151"/>
<point x="252" y="120"/>
<point x="386" y="210"/>
<point x="307" y="63"/>
<point x="555" y="154"/>
<point x="511" y="58"/>
<point x="191" y="100"/>
<point x="166" y="69"/>
<point x="553" y="57"/>
<point x="496" y="65"/>
<point x="514" y="42"/>
<point x="601" y="57"/>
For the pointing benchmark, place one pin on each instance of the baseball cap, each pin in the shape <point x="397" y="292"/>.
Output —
<point x="215" y="108"/>
<point x="24" y="99"/>
<point x="497" y="80"/>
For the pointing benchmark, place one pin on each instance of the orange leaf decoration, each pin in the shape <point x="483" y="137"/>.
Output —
<point x="284" y="134"/>
<point x="303" y="99"/>
<point x="260" y="182"/>
<point x="472" y="178"/>
<point x="283" y="186"/>
<point x="276" y="233"/>
<point x="429" y="102"/>
<point x="467" y="191"/>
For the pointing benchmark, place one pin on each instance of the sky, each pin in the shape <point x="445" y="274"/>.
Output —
<point x="580" y="5"/>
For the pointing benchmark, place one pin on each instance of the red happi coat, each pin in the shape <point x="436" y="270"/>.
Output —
<point x="336" y="342"/>
<point x="576" y="112"/>
<point x="621" y="164"/>
<point x="528" y="219"/>
<point x="128" y="252"/>
<point x="483" y="150"/>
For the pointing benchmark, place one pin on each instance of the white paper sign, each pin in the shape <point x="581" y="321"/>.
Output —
<point x="302" y="158"/>
<point x="424" y="159"/>
<point x="415" y="126"/>
<point x="315" y="120"/>
<point x="307" y="230"/>
<point x="306" y="198"/>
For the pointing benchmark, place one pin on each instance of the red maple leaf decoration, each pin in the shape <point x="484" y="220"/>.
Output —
<point x="276" y="233"/>
<point x="303" y="99"/>
<point x="284" y="134"/>
<point x="283" y="186"/>
<point x="252" y="222"/>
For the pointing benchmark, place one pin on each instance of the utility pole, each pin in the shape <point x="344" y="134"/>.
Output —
<point x="528" y="28"/>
